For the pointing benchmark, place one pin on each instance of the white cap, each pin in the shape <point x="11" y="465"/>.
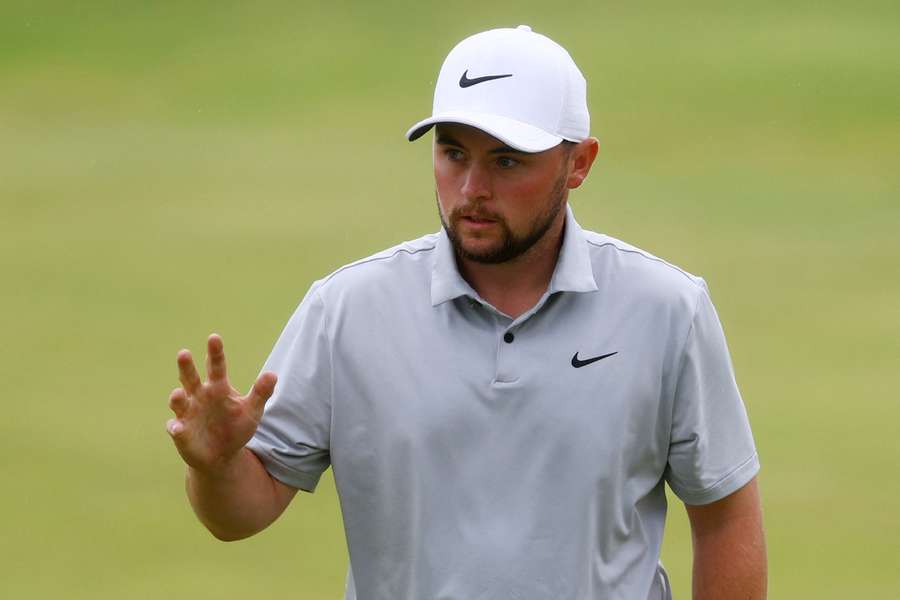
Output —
<point x="516" y="85"/>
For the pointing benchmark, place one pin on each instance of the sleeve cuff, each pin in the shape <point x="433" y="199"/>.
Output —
<point x="727" y="485"/>
<point x="298" y="479"/>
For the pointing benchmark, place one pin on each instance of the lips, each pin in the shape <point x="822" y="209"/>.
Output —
<point x="478" y="217"/>
<point x="476" y="223"/>
<point x="475" y="219"/>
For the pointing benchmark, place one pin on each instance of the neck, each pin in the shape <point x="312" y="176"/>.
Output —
<point x="515" y="286"/>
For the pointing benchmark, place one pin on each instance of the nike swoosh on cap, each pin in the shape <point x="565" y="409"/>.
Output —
<point x="465" y="82"/>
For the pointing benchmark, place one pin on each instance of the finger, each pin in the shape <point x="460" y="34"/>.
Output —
<point x="187" y="372"/>
<point x="181" y="437"/>
<point x="215" y="358"/>
<point x="262" y="389"/>
<point x="178" y="402"/>
<point x="175" y="428"/>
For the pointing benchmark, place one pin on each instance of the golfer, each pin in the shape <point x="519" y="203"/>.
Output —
<point x="502" y="402"/>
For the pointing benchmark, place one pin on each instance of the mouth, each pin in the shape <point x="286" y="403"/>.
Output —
<point x="477" y="217"/>
<point x="476" y="222"/>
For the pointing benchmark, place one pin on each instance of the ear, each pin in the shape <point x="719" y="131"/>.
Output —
<point x="581" y="158"/>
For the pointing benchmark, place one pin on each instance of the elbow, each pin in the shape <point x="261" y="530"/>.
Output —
<point x="228" y="535"/>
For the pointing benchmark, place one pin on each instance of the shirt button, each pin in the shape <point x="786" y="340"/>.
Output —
<point x="508" y="337"/>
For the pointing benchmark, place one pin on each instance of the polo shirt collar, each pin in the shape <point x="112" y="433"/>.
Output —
<point x="573" y="272"/>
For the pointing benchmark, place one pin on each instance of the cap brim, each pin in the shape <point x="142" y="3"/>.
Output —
<point x="515" y="134"/>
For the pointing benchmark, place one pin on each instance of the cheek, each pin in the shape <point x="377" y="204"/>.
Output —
<point x="447" y="185"/>
<point x="526" y="193"/>
<point x="443" y="193"/>
<point x="539" y="186"/>
<point x="444" y="175"/>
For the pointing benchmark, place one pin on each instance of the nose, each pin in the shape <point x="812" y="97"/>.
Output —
<point x="476" y="182"/>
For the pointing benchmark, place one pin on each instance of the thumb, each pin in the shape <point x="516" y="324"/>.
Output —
<point x="262" y="390"/>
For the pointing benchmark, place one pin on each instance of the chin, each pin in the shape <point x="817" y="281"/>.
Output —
<point x="485" y="253"/>
<point x="475" y="247"/>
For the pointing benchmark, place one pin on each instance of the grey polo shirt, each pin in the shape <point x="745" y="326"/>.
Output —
<point x="476" y="456"/>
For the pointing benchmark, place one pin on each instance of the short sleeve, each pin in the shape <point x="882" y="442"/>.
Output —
<point x="711" y="449"/>
<point x="292" y="439"/>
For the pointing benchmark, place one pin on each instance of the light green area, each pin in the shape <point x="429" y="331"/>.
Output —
<point x="170" y="169"/>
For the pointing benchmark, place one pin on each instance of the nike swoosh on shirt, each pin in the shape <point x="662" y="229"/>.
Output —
<point x="465" y="82"/>
<point x="577" y="363"/>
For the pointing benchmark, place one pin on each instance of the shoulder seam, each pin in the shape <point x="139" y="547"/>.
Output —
<point x="682" y="354"/>
<point x="647" y="256"/>
<point x="377" y="258"/>
<point x="324" y="328"/>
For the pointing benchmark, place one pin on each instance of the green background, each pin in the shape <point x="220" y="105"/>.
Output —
<point x="171" y="169"/>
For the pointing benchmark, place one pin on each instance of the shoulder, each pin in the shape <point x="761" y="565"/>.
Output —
<point x="611" y="252"/>
<point x="401" y="268"/>
<point x="638" y="275"/>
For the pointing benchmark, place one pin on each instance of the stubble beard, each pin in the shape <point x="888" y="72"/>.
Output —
<point x="510" y="246"/>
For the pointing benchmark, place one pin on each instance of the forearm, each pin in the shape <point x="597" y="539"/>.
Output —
<point x="730" y="563"/>
<point x="238" y="500"/>
<point x="729" y="547"/>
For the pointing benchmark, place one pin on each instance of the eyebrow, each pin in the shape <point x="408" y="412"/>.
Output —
<point x="445" y="140"/>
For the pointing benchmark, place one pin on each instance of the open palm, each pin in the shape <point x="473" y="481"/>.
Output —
<point x="213" y="421"/>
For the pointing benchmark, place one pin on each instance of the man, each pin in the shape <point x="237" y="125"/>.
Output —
<point x="503" y="401"/>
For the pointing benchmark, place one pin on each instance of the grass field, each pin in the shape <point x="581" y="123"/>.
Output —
<point x="170" y="170"/>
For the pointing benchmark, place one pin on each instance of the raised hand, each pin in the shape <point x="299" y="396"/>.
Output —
<point x="213" y="421"/>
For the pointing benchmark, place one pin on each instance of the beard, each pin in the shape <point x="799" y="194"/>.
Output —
<point x="510" y="245"/>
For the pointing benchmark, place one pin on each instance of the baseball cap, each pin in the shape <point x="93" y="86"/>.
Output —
<point x="516" y="85"/>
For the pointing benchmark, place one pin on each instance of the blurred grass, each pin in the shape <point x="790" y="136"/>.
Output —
<point x="172" y="169"/>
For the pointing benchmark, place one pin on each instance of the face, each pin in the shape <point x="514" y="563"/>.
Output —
<point x="496" y="203"/>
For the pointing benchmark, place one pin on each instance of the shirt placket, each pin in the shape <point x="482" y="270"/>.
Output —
<point x="506" y="335"/>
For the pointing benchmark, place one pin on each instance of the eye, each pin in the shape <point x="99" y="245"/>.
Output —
<point x="453" y="154"/>
<point x="506" y="162"/>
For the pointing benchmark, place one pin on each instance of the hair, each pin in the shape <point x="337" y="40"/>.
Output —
<point x="567" y="146"/>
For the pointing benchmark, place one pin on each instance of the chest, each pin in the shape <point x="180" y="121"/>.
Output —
<point x="460" y="388"/>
